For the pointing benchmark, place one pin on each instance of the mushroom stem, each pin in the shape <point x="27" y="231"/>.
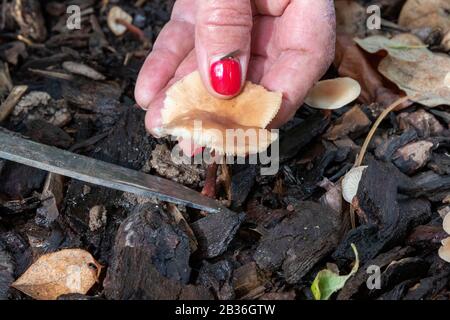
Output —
<point x="372" y="131"/>
<point x="138" y="33"/>
<point x="209" y="188"/>
<point x="374" y="128"/>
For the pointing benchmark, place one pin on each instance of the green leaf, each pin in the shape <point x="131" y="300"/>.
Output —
<point x="327" y="282"/>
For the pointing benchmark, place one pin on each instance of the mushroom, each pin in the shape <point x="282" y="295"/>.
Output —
<point x="333" y="94"/>
<point x="444" y="251"/>
<point x="229" y="127"/>
<point x="115" y="16"/>
<point x="350" y="183"/>
<point x="446" y="223"/>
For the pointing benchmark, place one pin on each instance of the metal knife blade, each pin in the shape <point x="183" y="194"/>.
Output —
<point x="27" y="152"/>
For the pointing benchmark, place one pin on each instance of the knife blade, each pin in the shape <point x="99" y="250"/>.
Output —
<point x="18" y="149"/>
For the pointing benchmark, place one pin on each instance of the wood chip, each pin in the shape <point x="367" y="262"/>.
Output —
<point x="83" y="70"/>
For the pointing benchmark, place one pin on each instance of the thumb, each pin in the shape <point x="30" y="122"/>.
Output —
<point x="222" y="41"/>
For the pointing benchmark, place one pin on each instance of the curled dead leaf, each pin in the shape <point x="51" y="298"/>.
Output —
<point x="350" y="183"/>
<point x="234" y="126"/>
<point x="63" y="272"/>
<point x="420" y="73"/>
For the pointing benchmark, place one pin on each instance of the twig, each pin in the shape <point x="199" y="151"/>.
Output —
<point x="52" y="74"/>
<point x="8" y="105"/>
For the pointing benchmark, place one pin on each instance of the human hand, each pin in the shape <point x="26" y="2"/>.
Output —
<point x="284" y="45"/>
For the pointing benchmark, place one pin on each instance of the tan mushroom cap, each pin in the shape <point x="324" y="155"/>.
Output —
<point x="333" y="94"/>
<point x="444" y="251"/>
<point x="118" y="13"/>
<point x="446" y="223"/>
<point x="231" y="127"/>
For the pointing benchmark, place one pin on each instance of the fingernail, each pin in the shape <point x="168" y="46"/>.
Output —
<point x="226" y="76"/>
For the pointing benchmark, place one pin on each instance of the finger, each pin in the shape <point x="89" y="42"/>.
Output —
<point x="174" y="42"/>
<point x="306" y="53"/>
<point x="153" y="121"/>
<point x="271" y="7"/>
<point x="223" y="27"/>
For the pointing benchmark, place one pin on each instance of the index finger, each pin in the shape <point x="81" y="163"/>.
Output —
<point x="306" y="51"/>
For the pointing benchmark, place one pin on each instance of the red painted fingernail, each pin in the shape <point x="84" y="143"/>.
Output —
<point x="226" y="76"/>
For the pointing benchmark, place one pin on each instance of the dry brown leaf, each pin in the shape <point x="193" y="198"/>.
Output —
<point x="190" y="112"/>
<point x="426" y="13"/>
<point x="63" y="272"/>
<point x="352" y="62"/>
<point x="413" y="68"/>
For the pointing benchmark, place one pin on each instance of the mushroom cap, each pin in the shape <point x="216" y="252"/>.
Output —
<point x="446" y="223"/>
<point x="333" y="94"/>
<point x="350" y="183"/>
<point x="444" y="251"/>
<point x="231" y="127"/>
<point x="118" y="13"/>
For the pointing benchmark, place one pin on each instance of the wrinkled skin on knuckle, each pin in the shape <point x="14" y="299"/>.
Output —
<point x="224" y="21"/>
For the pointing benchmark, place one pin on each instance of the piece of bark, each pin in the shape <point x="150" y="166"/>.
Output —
<point x="440" y="163"/>
<point x="247" y="278"/>
<point x="300" y="241"/>
<point x="413" y="156"/>
<point x="423" y="122"/>
<point x="353" y="121"/>
<point x="20" y="206"/>
<point x="357" y="283"/>
<point x="425" y="236"/>
<point x="217" y="277"/>
<point x="428" y="287"/>
<point x="94" y="96"/>
<point x="398" y="292"/>
<point x="6" y="272"/>
<point x="13" y="51"/>
<point x="298" y="137"/>
<point x="46" y="133"/>
<point x="387" y="148"/>
<point x="428" y="184"/>
<point x="402" y="270"/>
<point x="150" y="259"/>
<point x="384" y="220"/>
<point x="242" y="182"/>
<point x="442" y="114"/>
<point x="51" y="197"/>
<point x="215" y="232"/>
<point x="19" y="248"/>
<point x="20" y="181"/>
